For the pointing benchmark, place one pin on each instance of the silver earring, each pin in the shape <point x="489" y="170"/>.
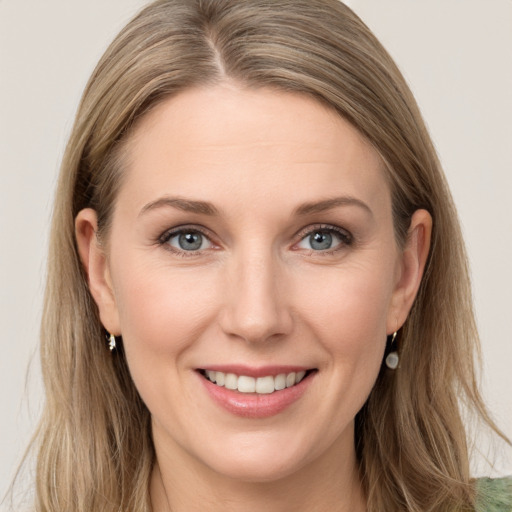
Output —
<point x="112" y="343"/>
<point x="392" y="359"/>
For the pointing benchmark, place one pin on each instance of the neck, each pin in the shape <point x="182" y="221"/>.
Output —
<point x="329" y="483"/>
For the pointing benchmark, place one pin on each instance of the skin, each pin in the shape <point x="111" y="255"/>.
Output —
<point x="256" y="293"/>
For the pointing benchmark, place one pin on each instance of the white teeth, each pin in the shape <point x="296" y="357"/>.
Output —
<point x="231" y="381"/>
<point x="280" y="381"/>
<point x="220" y="378"/>
<point x="261" y="385"/>
<point x="247" y="384"/>
<point x="264" y="385"/>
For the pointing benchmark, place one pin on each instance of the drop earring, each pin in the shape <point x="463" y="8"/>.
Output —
<point x="112" y="343"/>
<point x="392" y="359"/>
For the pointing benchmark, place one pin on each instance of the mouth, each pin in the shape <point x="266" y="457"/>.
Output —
<point x="264" y="385"/>
<point x="256" y="393"/>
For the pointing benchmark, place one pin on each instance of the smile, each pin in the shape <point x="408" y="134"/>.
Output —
<point x="255" y="393"/>
<point x="260" y="385"/>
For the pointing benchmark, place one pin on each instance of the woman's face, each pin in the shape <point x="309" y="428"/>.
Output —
<point x="252" y="241"/>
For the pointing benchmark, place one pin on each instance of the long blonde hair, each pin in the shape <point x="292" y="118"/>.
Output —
<point x="95" y="451"/>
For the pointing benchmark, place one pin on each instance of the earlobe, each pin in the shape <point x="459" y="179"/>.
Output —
<point x="412" y="266"/>
<point x="95" y="263"/>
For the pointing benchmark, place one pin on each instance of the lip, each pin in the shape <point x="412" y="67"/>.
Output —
<point x="254" y="406"/>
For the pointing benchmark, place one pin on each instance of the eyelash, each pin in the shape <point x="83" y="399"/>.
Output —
<point x="345" y="237"/>
<point x="163" y="240"/>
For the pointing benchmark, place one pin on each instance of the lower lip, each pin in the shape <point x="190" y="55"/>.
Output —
<point x="252" y="405"/>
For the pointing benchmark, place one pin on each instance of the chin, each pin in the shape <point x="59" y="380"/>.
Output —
<point x="257" y="469"/>
<point x="263" y="457"/>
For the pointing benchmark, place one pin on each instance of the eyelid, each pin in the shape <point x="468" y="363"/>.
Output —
<point x="345" y="236"/>
<point x="164" y="238"/>
<point x="185" y="228"/>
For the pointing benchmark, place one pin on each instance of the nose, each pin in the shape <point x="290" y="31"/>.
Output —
<point x="256" y="306"/>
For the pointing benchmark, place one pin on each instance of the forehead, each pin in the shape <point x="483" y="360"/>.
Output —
<point x="224" y="139"/>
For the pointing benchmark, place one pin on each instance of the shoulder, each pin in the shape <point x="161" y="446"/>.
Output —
<point x="494" y="494"/>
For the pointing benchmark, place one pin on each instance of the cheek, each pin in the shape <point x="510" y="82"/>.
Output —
<point x="344" y="311"/>
<point x="163" y="312"/>
<point x="347" y="309"/>
<point x="161" y="309"/>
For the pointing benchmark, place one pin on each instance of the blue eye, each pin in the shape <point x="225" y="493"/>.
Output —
<point x="324" y="239"/>
<point x="188" y="241"/>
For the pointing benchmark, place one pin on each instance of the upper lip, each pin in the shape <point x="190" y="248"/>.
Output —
<point x="255" y="371"/>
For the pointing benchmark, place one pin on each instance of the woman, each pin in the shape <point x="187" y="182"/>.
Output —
<point x="252" y="218"/>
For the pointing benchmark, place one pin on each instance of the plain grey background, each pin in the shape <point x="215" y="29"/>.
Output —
<point x="456" y="55"/>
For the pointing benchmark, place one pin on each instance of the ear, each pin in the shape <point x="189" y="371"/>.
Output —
<point x="95" y="262"/>
<point x="411" y="267"/>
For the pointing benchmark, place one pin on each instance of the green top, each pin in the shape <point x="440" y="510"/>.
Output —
<point x="494" y="495"/>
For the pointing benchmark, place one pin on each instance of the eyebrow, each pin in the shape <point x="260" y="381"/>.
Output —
<point x="205" y="208"/>
<point x="329" y="204"/>
<point x="186" y="205"/>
